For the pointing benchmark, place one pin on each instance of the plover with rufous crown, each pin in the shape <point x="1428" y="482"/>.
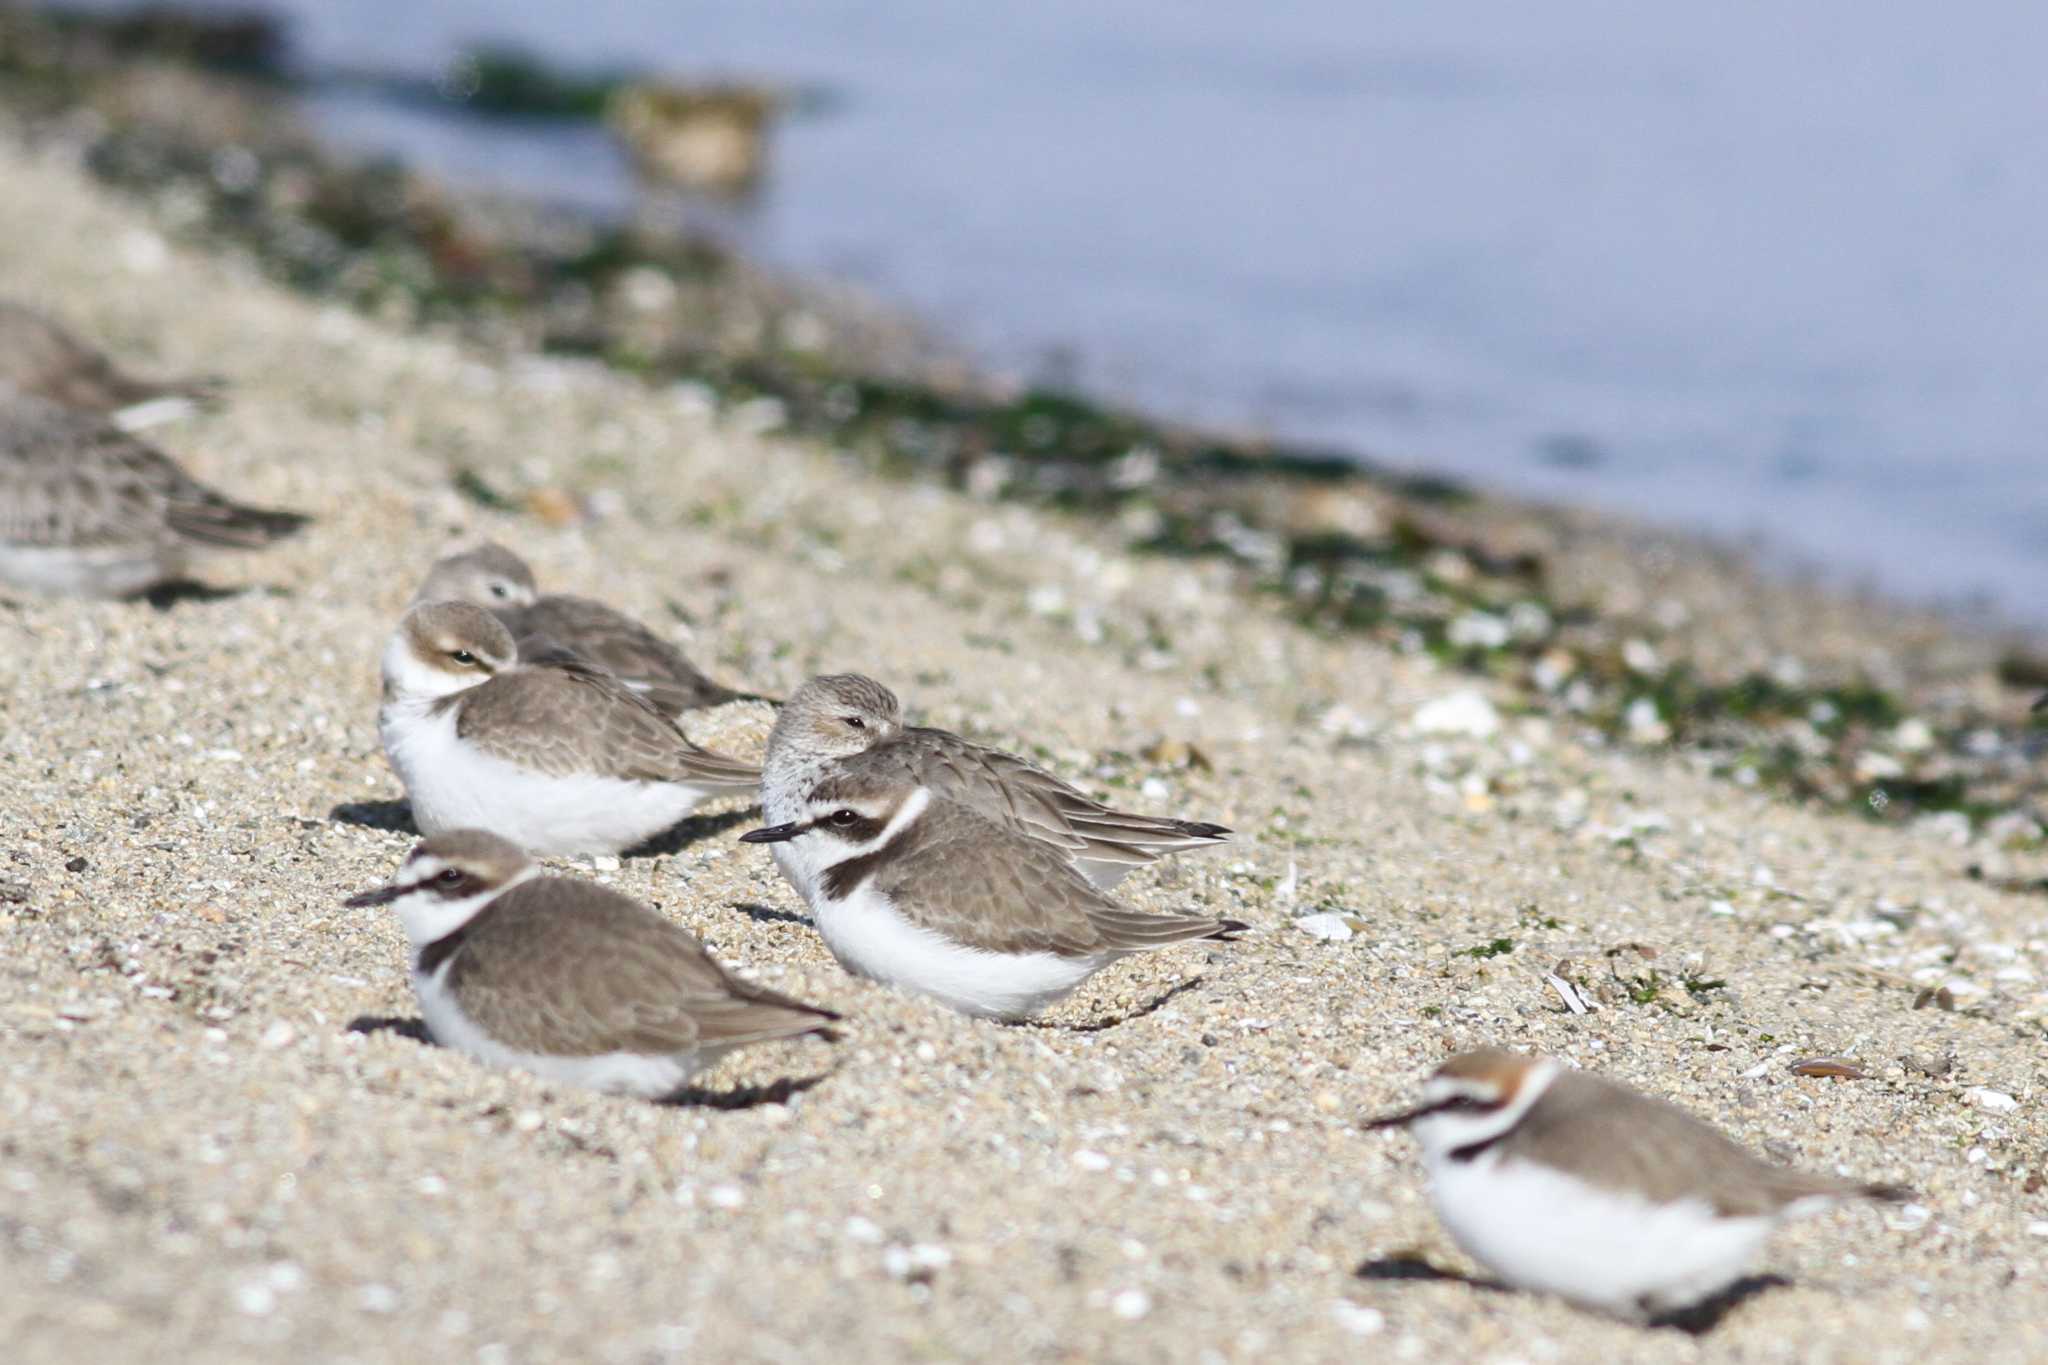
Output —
<point x="41" y="358"/>
<point x="553" y="754"/>
<point x="853" y="726"/>
<point x="914" y="890"/>
<point x="492" y="577"/>
<point x="568" y="979"/>
<point x="88" y="510"/>
<point x="1567" y="1183"/>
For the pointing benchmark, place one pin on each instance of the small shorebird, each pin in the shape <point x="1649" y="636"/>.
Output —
<point x="853" y="725"/>
<point x="88" y="510"/>
<point x="1566" y="1183"/>
<point x="40" y="358"/>
<point x="494" y="578"/>
<point x="914" y="890"/>
<point x="550" y="753"/>
<point x="567" y="979"/>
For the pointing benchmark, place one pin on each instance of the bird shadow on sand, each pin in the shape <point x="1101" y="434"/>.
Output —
<point x="695" y="829"/>
<point x="690" y="1097"/>
<point x="1697" y="1320"/>
<point x="1412" y="1267"/>
<point x="762" y="914"/>
<point x="1706" y="1315"/>
<point x="744" y="1096"/>
<point x="177" y="592"/>
<point x="395" y="816"/>
<point x="1107" y="1022"/>
<point x="415" y="1029"/>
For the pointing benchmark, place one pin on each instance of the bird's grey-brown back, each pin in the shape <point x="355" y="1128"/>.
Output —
<point x="852" y="725"/>
<point x="41" y="358"/>
<point x="560" y="717"/>
<point x="1617" y="1138"/>
<point x="495" y="578"/>
<point x="86" y="508"/>
<point x="978" y="882"/>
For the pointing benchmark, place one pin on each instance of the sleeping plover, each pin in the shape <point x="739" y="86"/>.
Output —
<point x="555" y="755"/>
<point x="87" y="509"/>
<point x="39" y="358"/>
<point x="854" y="725"/>
<point x="494" y="578"/>
<point x="1566" y="1183"/>
<point x="567" y="979"/>
<point x="914" y="890"/>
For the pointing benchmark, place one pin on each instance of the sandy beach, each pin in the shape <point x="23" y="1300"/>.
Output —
<point x="220" y="1140"/>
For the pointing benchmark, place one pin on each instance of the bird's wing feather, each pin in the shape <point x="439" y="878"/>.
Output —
<point x="563" y="717"/>
<point x="962" y="875"/>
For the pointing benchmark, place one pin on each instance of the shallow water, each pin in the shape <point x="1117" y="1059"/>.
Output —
<point x="1747" y="268"/>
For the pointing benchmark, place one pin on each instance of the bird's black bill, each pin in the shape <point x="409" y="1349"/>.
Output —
<point x="1466" y="1104"/>
<point x="2041" y="702"/>
<point x="383" y="895"/>
<point x="773" y="834"/>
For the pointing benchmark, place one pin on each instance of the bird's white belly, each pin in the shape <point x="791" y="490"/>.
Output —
<point x="1541" y="1229"/>
<point x="870" y="939"/>
<point x="614" y="1073"/>
<point x="454" y="785"/>
<point x="112" y="571"/>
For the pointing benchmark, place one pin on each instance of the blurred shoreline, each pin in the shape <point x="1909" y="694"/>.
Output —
<point x="1642" y="637"/>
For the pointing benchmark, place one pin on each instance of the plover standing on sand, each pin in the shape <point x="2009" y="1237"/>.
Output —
<point x="918" y="891"/>
<point x="852" y="725"/>
<point x="1567" y="1183"/>
<point x="88" y="510"/>
<point x="552" y="754"/>
<point x="567" y="979"/>
<point x="494" y="578"/>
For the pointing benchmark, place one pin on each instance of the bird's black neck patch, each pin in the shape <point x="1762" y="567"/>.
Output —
<point x="434" y="954"/>
<point x="1472" y="1151"/>
<point x="844" y="877"/>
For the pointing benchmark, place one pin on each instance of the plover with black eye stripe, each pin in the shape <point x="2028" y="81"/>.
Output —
<point x="853" y="726"/>
<point x="492" y="577"/>
<point x="88" y="510"/>
<point x="567" y="979"/>
<point x="914" y="890"/>
<point x="1566" y="1183"/>
<point x="550" y="753"/>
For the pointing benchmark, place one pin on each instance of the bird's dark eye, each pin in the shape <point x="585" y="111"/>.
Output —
<point x="449" y="876"/>
<point x="500" y="590"/>
<point x="856" y="722"/>
<point x="462" y="656"/>
<point x="843" y="818"/>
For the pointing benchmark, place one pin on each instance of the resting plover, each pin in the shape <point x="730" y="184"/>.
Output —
<point x="555" y="755"/>
<point x="88" y="510"/>
<point x="498" y="580"/>
<point x="853" y="725"/>
<point x="567" y="979"/>
<point x="914" y="890"/>
<point x="1566" y="1183"/>
<point x="40" y="358"/>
